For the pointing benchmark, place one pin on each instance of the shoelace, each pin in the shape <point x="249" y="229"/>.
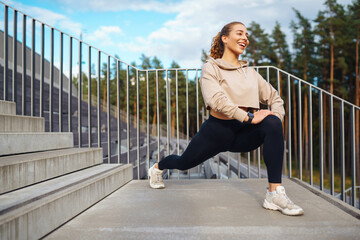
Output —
<point x="287" y="198"/>
<point x="158" y="177"/>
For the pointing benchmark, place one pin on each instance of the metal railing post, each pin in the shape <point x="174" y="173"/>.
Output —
<point x="352" y="156"/>
<point x="157" y="114"/>
<point x="342" y="150"/>
<point x="331" y="146"/>
<point x="108" y="110"/>
<point x="300" y="130"/>
<point x="197" y="110"/>
<point x="70" y="87"/>
<point x="228" y="164"/>
<point x="239" y="164"/>
<point x="32" y="89"/>
<point x="118" y="109"/>
<point x="80" y="96"/>
<point x="278" y="82"/>
<point x="23" y="77"/>
<point x="168" y="109"/>
<point x="128" y="113"/>
<point x="258" y="158"/>
<point x="89" y="99"/>
<point x="147" y="122"/>
<point x="321" y="130"/>
<point x="137" y="125"/>
<point x="310" y="137"/>
<point x="51" y="87"/>
<point x="289" y="125"/>
<point x="177" y="117"/>
<point x="14" y="73"/>
<point x="187" y="112"/>
<point x="61" y="82"/>
<point x="98" y="99"/>
<point x="248" y="162"/>
<point x="42" y="71"/>
<point x="6" y="52"/>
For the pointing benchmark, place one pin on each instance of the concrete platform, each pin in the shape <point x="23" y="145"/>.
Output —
<point x="208" y="209"/>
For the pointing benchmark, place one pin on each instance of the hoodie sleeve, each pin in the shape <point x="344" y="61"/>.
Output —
<point x="269" y="96"/>
<point x="214" y="96"/>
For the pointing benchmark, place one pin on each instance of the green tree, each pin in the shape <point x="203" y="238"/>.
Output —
<point x="259" y="50"/>
<point x="281" y="49"/>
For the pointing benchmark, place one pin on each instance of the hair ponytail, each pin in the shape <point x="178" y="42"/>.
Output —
<point x="217" y="45"/>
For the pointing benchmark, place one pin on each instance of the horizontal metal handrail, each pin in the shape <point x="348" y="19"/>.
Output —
<point x="310" y="84"/>
<point x="346" y="191"/>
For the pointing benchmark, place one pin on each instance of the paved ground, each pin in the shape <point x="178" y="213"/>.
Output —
<point x="208" y="209"/>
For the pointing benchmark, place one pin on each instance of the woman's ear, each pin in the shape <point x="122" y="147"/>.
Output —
<point x="224" y="39"/>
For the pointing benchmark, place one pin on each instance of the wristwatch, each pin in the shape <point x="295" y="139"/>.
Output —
<point x="251" y="116"/>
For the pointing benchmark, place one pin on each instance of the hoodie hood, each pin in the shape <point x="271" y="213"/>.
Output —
<point x="226" y="65"/>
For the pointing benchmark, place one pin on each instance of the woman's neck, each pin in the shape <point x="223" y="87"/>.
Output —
<point x="231" y="58"/>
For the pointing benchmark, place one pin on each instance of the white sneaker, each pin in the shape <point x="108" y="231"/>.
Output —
<point x="155" y="176"/>
<point x="279" y="201"/>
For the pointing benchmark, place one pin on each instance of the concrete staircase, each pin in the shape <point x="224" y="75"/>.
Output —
<point x="44" y="181"/>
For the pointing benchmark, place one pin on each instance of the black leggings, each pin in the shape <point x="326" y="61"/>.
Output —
<point x="217" y="135"/>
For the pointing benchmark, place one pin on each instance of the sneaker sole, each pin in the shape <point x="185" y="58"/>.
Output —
<point x="151" y="185"/>
<point x="271" y="206"/>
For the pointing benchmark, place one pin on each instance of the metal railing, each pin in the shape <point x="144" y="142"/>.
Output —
<point x="149" y="103"/>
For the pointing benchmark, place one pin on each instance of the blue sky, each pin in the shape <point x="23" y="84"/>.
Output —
<point x="169" y="29"/>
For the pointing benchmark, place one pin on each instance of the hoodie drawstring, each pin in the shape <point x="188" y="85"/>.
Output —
<point x="242" y="69"/>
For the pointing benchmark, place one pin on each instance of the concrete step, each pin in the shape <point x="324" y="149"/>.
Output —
<point x="22" y="170"/>
<point x="7" y="107"/>
<point x="13" y="123"/>
<point x="34" y="211"/>
<point x="15" y="143"/>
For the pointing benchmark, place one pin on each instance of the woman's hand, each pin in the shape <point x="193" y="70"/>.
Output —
<point x="260" y="115"/>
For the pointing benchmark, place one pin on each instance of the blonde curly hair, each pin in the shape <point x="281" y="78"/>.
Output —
<point x="217" y="45"/>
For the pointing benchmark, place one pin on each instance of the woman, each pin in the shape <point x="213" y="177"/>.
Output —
<point x="232" y="92"/>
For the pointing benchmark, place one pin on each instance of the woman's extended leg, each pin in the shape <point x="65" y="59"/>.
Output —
<point x="213" y="137"/>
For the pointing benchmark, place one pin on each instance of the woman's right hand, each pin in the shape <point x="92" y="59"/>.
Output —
<point x="260" y="115"/>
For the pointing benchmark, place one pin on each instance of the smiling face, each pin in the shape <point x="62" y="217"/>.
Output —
<point x="237" y="40"/>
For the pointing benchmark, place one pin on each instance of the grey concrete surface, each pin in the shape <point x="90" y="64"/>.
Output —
<point x="15" y="143"/>
<point x="25" y="169"/>
<point x="207" y="209"/>
<point x="13" y="123"/>
<point x="7" y="107"/>
<point x="32" y="212"/>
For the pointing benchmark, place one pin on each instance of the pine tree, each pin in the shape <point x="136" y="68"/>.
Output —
<point x="304" y="48"/>
<point x="281" y="48"/>
<point x="259" y="50"/>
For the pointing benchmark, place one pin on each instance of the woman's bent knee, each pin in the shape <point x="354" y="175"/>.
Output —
<point x="272" y="122"/>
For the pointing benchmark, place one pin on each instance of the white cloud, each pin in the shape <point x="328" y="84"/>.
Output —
<point x="182" y="38"/>
<point x="197" y="22"/>
<point x="49" y="17"/>
<point x="104" y="35"/>
<point x="120" y="5"/>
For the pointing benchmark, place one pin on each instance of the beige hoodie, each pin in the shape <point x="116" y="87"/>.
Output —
<point x="226" y="87"/>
